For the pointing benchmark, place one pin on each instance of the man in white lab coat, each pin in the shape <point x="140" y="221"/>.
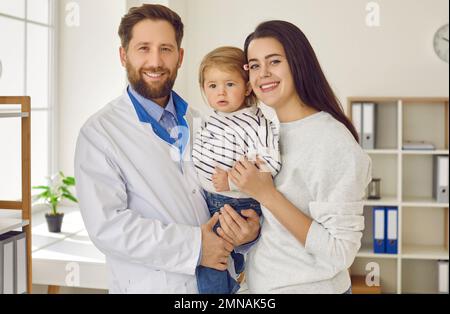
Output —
<point x="138" y="191"/>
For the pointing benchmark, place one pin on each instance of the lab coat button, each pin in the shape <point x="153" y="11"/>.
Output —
<point x="194" y="191"/>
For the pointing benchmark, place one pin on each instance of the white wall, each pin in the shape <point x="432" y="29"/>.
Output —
<point x="89" y="70"/>
<point x="395" y="59"/>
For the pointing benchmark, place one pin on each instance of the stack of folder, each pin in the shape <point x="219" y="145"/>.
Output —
<point x="13" y="263"/>
<point x="364" y="121"/>
<point x="385" y="230"/>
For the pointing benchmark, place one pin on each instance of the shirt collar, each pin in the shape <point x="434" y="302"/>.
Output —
<point x="249" y="110"/>
<point x="152" y="108"/>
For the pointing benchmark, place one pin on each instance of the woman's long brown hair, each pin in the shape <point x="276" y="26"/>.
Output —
<point x="310" y="82"/>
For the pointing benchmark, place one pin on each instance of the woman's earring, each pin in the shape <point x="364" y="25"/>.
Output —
<point x="246" y="67"/>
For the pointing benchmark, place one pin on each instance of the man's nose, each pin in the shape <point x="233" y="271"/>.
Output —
<point x="155" y="60"/>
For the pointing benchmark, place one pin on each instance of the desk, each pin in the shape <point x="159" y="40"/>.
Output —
<point x="68" y="258"/>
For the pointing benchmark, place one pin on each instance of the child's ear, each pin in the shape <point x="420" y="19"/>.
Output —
<point x="249" y="89"/>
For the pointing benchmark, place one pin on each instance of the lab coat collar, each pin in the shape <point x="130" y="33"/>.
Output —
<point x="153" y="109"/>
<point x="181" y="108"/>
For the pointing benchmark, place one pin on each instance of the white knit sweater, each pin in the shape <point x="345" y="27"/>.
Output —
<point x="324" y="174"/>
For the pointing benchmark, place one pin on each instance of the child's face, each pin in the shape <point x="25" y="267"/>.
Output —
<point x="225" y="90"/>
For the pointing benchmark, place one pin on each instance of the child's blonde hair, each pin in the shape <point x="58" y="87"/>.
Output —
<point x="230" y="59"/>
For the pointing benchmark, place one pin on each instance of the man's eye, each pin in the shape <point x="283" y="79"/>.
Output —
<point x="166" y="49"/>
<point x="143" y="49"/>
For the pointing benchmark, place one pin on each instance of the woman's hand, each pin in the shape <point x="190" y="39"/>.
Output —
<point x="251" y="180"/>
<point x="236" y="229"/>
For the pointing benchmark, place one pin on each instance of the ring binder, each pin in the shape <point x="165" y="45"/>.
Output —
<point x="13" y="263"/>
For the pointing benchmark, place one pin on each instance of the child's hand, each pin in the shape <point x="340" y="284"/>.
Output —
<point x="220" y="180"/>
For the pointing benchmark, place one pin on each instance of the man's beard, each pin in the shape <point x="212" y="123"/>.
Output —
<point x="163" y="89"/>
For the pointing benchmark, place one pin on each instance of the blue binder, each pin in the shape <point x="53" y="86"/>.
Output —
<point x="379" y="230"/>
<point x="391" y="230"/>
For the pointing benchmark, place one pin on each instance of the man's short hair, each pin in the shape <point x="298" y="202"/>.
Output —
<point x="153" y="12"/>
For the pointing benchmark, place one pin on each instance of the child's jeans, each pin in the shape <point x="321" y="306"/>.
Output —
<point x="212" y="281"/>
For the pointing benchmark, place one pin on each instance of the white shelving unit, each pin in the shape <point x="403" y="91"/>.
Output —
<point x="10" y="224"/>
<point x="22" y="206"/>
<point x="406" y="182"/>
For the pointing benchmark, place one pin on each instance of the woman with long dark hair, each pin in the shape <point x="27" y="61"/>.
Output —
<point x="314" y="209"/>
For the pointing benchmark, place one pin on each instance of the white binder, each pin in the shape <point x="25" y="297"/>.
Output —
<point x="13" y="263"/>
<point x="6" y="264"/>
<point x="368" y="126"/>
<point x="21" y="264"/>
<point x="440" y="182"/>
<point x="357" y="119"/>
<point x="443" y="277"/>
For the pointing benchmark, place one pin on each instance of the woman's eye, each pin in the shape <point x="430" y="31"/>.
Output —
<point x="254" y="66"/>
<point x="275" y="62"/>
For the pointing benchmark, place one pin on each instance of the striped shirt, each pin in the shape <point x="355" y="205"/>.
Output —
<point x="224" y="138"/>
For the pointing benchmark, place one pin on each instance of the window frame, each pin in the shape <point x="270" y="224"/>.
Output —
<point x="51" y="109"/>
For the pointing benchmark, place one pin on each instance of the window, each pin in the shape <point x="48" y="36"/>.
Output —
<point x="27" y="41"/>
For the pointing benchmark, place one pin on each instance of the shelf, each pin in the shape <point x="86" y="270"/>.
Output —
<point x="422" y="202"/>
<point x="425" y="252"/>
<point x="10" y="224"/>
<point x="359" y="286"/>
<point x="382" y="151"/>
<point x="14" y="114"/>
<point x="385" y="201"/>
<point x="407" y="178"/>
<point x="425" y="152"/>
<point x="366" y="251"/>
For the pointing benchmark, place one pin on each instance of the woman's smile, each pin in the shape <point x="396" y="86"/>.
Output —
<point x="268" y="87"/>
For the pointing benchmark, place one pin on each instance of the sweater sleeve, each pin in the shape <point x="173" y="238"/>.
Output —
<point x="337" y="210"/>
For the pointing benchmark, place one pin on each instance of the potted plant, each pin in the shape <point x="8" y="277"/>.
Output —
<point x="53" y="194"/>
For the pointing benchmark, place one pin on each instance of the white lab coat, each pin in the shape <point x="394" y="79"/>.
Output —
<point x="139" y="208"/>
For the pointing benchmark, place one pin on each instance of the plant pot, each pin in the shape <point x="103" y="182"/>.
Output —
<point x="54" y="222"/>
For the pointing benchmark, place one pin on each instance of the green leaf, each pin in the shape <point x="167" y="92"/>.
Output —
<point x="70" y="197"/>
<point x="45" y="194"/>
<point x="70" y="181"/>
<point x="41" y="187"/>
<point x="64" y="189"/>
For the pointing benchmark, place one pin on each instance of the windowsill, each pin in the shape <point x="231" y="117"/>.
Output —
<point x="68" y="258"/>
